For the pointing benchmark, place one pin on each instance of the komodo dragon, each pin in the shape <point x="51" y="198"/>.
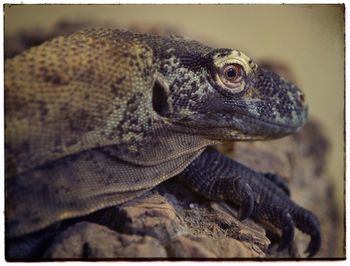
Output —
<point x="99" y="117"/>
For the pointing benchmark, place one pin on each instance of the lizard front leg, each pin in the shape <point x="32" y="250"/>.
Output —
<point x="260" y="196"/>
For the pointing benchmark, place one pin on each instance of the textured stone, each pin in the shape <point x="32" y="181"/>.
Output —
<point x="188" y="231"/>
<point x="151" y="215"/>
<point x="88" y="240"/>
<point x="190" y="246"/>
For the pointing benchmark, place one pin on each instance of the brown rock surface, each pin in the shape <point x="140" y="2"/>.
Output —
<point x="89" y="240"/>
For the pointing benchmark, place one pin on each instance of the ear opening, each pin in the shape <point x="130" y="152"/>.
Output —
<point x="159" y="99"/>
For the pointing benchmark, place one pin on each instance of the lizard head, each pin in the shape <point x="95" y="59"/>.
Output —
<point x="223" y="94"/>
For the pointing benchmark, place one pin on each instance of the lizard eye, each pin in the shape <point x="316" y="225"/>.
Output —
<point x="232" y="75"/>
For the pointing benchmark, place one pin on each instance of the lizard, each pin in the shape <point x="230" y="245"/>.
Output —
<point x="101" y="116"/>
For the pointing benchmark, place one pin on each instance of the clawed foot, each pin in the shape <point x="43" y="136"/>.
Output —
<point x="271" y="203"/>
<point x="264" y="197"/>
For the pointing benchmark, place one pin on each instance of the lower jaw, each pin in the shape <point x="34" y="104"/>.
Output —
<point x="255" y="130"/>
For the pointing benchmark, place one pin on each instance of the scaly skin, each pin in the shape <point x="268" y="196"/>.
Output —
<point x="263" y="197"/>
<point x="101" y="116"/>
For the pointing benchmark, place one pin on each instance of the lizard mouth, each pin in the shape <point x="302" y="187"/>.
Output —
<point x="245" y="117"/>
<point x="242" y="126"/>
<point x="269" y="128"/>
<point x="294" y="122"/>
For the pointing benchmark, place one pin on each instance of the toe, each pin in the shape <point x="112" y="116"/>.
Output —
<point x="288" y="229"/>
<point x="308" y="223"/>
<point x="246" y="195"/>
<point x="247" y="207"/>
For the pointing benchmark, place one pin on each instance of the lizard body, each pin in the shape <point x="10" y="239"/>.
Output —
<point x="98" y="117"/>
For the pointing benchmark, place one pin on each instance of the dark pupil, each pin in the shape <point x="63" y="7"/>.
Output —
<point x="231" y="73"/>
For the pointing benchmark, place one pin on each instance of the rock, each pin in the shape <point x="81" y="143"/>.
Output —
<point x="88" y="240"/>
<point x="189" y="246"/>
<point x="152" y="216"/>
<point x="187" y="231"/>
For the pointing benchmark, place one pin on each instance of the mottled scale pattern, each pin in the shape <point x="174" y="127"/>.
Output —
<point x="67" y="95"/>
<point x="98" y="117"/>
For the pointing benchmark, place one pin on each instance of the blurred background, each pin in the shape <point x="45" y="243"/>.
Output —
<point x="309" y="39"/>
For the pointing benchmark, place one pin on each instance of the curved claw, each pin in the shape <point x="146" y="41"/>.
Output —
<point x="314" y="245"/>
<point x="247" y="207"/>
<point x="247" y="197"/>
<point x="308" y="223"/>
<point x="287" y="231"/>
<point x="315" y="234"/>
